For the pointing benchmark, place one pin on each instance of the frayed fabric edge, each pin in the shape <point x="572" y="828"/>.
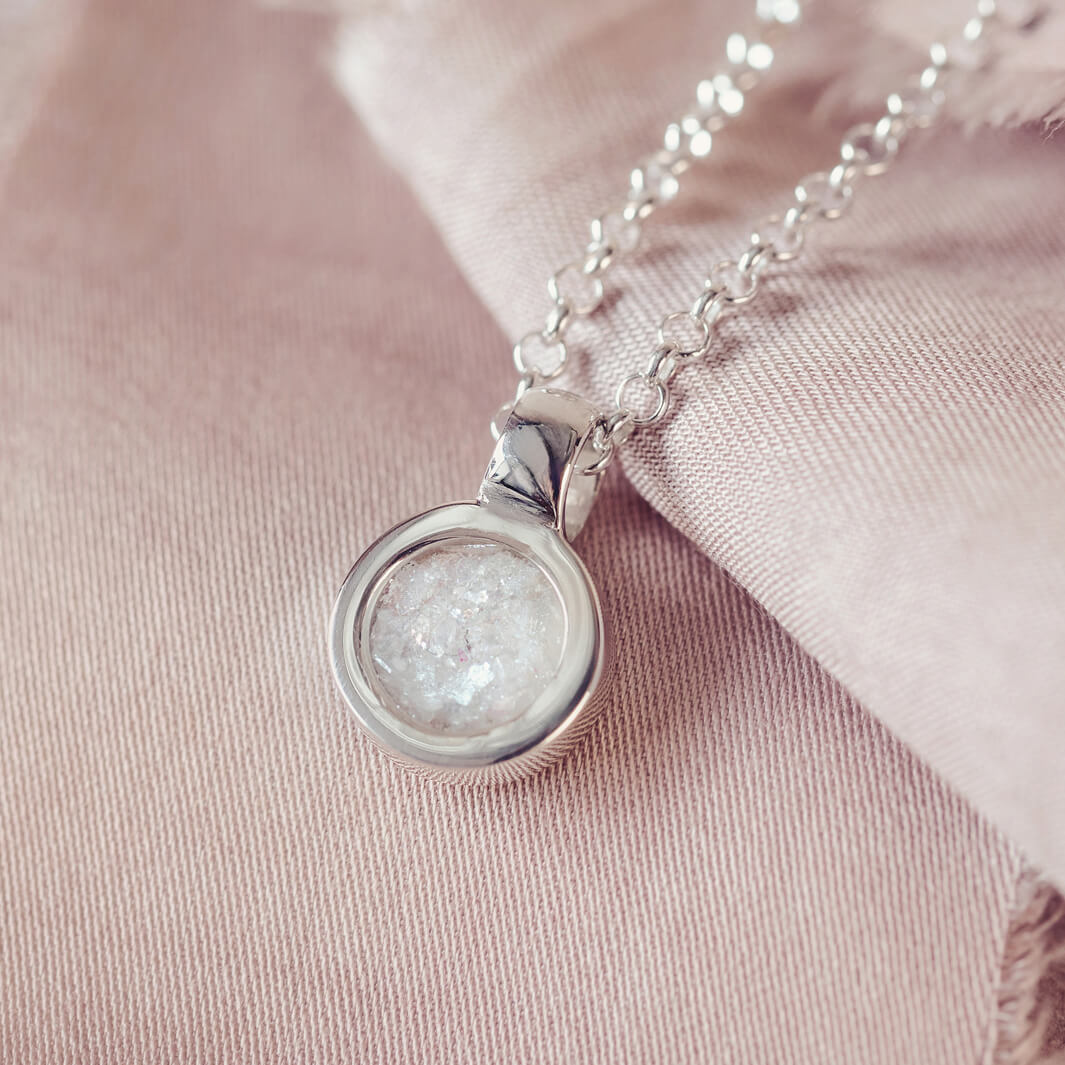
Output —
<point x="860" y="59"/>
<point x="1029" y="1023"/>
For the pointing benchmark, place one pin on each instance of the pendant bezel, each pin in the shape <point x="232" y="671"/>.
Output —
<point x="558" y="715"/>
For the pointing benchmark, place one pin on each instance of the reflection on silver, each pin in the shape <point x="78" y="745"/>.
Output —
<point x="534" y="495"/>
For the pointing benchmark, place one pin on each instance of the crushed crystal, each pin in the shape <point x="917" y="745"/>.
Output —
<point x="465" y="636"/>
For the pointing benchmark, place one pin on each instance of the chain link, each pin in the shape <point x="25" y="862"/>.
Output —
<point x="576" y="289"/>
<point x="642" y="399"/>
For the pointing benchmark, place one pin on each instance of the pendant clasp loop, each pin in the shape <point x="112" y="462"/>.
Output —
<point x="540" y="466"/>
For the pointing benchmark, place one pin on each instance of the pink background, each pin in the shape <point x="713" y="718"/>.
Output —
<point x="820" y="821"/>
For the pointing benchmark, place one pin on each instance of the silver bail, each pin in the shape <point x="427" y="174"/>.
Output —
<point x="540" y="461"/>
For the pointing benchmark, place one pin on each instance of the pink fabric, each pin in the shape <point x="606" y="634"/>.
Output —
<point x="876" y="452"/>
<point x="218" y="310"/>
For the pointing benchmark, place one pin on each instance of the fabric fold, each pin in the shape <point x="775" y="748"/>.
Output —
<point x="233" y="352"/>
<point x="873" y="449"/>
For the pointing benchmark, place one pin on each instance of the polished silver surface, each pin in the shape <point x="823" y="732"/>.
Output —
<point x="539" y="468"/>
<point x="535" y="493"/>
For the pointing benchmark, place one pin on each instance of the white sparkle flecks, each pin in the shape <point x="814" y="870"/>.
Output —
<point x="465" y="637"/>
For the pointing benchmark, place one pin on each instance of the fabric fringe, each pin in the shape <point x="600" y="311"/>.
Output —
<point x="1030" y="1014"/>
<point x="860" y="62"/>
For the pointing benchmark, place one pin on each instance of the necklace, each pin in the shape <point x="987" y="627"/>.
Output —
<point x="469" y="640"/>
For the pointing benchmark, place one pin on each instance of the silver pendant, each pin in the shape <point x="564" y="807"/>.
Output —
<point x="469" y="641"/>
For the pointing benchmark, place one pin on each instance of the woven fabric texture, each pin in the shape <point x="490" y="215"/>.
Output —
<point x="873" y="451"/>
<point x="232" y="350"/>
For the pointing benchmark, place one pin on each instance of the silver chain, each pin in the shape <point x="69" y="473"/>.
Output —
<point x="576" y="290"/>
<point x="643" y="398"/>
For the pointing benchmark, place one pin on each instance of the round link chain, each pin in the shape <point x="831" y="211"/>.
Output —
<point x="576" y="289"/>
<point x="866" y="150"/>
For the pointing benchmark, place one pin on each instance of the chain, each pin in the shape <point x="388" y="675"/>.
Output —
<point x="576" y="289"/>
<point x="643" y="398"/>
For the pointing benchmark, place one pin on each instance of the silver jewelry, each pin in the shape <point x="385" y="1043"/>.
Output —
<point x="469" y="641"/>
<point x="535" y="495"/>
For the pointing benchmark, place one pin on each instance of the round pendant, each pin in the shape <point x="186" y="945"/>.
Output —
<point x="469" y="641"/>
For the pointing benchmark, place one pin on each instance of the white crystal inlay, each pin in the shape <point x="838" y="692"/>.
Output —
<point x="466" y="635"/>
